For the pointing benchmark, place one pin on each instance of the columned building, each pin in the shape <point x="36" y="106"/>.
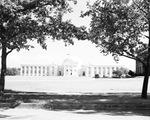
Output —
<point x="69" y="67"/>
<point x="39" y="70"/>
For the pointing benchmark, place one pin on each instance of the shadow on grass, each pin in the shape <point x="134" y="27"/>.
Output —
<point x="111" y="103"/>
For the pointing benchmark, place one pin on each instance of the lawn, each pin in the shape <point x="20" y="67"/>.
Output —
<point x="74" y="85"/>
<point x="114" y="96"/>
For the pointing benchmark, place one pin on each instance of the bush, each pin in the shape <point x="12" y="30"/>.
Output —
<point x="120" y="73"/>
<point x="96" y="76"/>
<point x="131" y="73"/>
<point x="12" y="71"/>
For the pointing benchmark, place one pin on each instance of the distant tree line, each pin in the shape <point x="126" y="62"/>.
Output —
<point x="12" y="71"/>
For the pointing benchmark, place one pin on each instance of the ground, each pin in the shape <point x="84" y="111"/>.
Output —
<point x="74" y="98"/>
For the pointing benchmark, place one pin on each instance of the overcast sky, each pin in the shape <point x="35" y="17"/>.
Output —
<point x="56" y="52"/>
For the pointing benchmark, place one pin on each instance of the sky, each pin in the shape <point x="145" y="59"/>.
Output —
<point x="56" y="52"/>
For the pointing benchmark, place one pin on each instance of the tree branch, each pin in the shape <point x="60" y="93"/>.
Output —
<point x="9" y="51"/>
<point x="145" y="35"/>
<point x="139" y="7"/>
<point x="134" y="58"/>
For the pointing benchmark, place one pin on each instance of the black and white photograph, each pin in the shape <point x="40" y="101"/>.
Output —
<point x="74" y="59"/>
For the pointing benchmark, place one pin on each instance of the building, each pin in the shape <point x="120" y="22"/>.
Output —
<point x="139" y="66"/>
<point x="69" y="67"/>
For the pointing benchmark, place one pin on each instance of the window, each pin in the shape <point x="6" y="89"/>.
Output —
<point x="48" y="71"/>
<point x="22" y="70"/>
<point x="53" y="70"/>
<point x="103" y="71"/>
<point x="27" y="70"/>
<point x="35" y="70"/>
<point x="39" y="70"/>
<point x="43" y="70"/>
<point x="31" y="70"/>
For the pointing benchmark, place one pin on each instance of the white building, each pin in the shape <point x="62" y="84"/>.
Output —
<point x="69" y="67"/>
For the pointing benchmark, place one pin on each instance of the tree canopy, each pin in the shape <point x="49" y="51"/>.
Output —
<point x="22" y="20"/>
<point x="117" y="28"/>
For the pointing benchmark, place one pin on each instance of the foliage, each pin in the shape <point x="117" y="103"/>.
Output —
<point x="131" y="73"/>
<point x="117" y="28"/>
<point x="119" y="73"/>
<point x="12" y="71"/>
<point x="96" y="76"/>
<point x="22" y="21"/>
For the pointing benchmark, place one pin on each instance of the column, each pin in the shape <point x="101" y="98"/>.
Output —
<point x="101" y="75"/>
<point x="64" y="71"/>
<point x="106" y="71"/>
<point x="45" y="70"/>
<point x="42" y="71"/>
<point x="24" y="70"/>
<point x="21" y="71"/>
<point x="103" y="71"/>
<point x="97" y="70"/>
<point x="29" y="74"/>
<point x="92" y="71"/>
<point x="110" y="72"/>
<point x="37" y="70"/>
<point x="86" y="71"/>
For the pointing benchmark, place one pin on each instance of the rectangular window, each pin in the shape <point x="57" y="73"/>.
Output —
<point x="22" y="70"/>
<point x="89" y="71"/>
<point x="27" y="70"/>
<point x="52" y="70"/>
<point x="47" y="71"/>
<point x="43" y="70"/>
<point x="35" y="70"/>
<point x="31" y="70"/>
<point x="103" y="71"/>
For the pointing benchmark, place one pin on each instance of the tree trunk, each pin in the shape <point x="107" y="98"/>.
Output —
<point x="3" y="68"/>
<point x="147" y="71"/>
<point x="145" y="83"/>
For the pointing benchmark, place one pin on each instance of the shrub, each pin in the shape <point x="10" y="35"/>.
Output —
<point x="131" y="73"/>
<point x="96" y="76"/>
<point x="119" y="73"/>
<point x="12" y="71"/>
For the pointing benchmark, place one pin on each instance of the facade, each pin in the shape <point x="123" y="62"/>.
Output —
<point x="139" y="66"/>
<point x="68" y="68"/>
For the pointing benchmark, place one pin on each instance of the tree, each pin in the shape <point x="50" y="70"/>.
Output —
<point x="122" y="72"/>
<point x="117" y="27"/>
<point x="12" y="71"/>
<point x="25" y="20"/>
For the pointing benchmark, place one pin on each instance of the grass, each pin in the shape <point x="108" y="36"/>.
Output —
<point x="113" y="103"/>
<point x="45" y="94"/>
